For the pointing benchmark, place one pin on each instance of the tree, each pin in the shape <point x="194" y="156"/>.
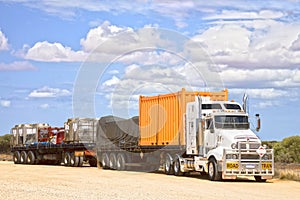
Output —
<point x="5" y="143"/>
<point x="288" y="151"/>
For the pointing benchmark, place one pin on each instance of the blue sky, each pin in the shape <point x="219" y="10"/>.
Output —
<point x="52" y="51"/>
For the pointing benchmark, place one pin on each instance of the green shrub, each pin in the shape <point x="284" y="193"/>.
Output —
<point x="5" y="143"/>
<point x="288" y="151"/>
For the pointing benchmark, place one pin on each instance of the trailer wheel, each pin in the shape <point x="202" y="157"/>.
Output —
<point x="121" y="163"/>
<point x="93" y="162"/>
<point x="105" y="159"/>
<point x="23" y="159"/>
<point x="259" y="179"/>
<point x="213" y="173"/>
<point x="30" y="158"/>
<point x="177" y="170"/>
<point x="74" y="160"/>
<point x="168" y="168"/>
<point x="67" y="159"/>
<point x="112" y="161"/>
<point x="17" y="157"/>
<point x="80" y="161"/>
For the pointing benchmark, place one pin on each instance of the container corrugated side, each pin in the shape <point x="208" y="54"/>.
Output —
<point x="162" y="116"/>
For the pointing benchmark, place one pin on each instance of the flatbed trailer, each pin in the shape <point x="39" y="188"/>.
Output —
<point x="48" y="153"/>
<point x="71" y="145"/>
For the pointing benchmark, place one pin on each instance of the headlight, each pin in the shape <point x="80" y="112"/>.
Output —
<point x="266" y="157"/>
<point x="234" y="156"/>
<point x="229" y="156"/>
<point x="233" y="145"/>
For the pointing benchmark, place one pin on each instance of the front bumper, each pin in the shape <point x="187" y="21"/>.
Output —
<point x="247" y="162"/>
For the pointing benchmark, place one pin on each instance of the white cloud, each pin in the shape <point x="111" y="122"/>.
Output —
<point x="17" y="66"/>
<point x="239" y="15"/>
<point x="123" y="91"/>
<point x="263" y="93"/>
<point x="44" y="106"/>
<point x="5" y="103"/>
<point x="113" y="72"/>
<point x="103" y="43"/>
<point x="52" y="52"/>
<point x="3" y="42"/>
<point x="262" y="47"/>
<point x="98" y="35"/>
<point x="296" y="44"/>
<point x="111" y="82"/>
<point x="267" y="104"/>
<point x="261" y="77"/>
<point x="47" y="92"/>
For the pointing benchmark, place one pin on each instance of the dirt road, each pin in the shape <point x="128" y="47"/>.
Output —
<point x="59" y="182"/>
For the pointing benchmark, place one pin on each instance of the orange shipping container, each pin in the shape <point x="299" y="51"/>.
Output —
<point x="162" y="116"/>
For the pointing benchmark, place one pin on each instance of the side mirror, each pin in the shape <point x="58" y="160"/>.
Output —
<point x="258" y="122"/>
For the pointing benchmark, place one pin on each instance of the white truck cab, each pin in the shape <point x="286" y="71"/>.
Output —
<point x="219" y="138"/>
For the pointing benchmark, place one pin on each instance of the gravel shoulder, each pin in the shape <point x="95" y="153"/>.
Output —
<point x="59" y="182"/>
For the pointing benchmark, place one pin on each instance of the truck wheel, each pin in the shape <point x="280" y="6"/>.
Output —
<point x="23" y="159"/>
<point x="259" y="179"/>
<point x="17" y="157"/>
<point x="67" y="159"/>
<point x="112" y="161"/>
<point x="213" y="173"/>
<point x="105" y="164"/>
<point x="31" y="158"/>
<point x="176" y="167"/>
<point x="168" y="165"/>
<point x="121" y="163"/>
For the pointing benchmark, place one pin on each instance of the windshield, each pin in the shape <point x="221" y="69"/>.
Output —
<point x="211" y="106"/>
<point x="232" y="106"/>
<point x="231" y="122"/>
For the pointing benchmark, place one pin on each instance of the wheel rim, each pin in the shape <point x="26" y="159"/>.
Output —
<point x="72" y="161"/>
<point x="211" y="169"/>
<point x="16" y="159"/>
<point x="120" y="163"/>
<point x="112" y="161"/>
<point x="176" y="166"/>
<point x="67" y="159"/>
<point x="104" y="161"/>
<point x="167" y="165"/>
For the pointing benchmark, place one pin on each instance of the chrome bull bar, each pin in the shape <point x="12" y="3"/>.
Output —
<point x="248" y="161"/>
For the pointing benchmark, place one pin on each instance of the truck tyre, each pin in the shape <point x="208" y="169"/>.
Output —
<point x="23" y="159"/>
<point x="176" y="167"/>
<point x="99" y="161"/>
<point x="30" y="158"/>
<point x="259" y="179"/>
<point x="67" y="159"/>
<point x="105" y="159"/>
<point x="121" y="163"/>
<point x="168" y="168"/>
<point x="80" y="161"/>
<point x="213" y="173"/>
<point x="112" y="161"/>
<point x="17" y="157"/>
<point x="93" y="162"/>
<point x="74" y="160"/>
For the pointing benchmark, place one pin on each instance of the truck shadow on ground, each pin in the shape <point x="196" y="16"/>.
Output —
<point x="195" y="175"/>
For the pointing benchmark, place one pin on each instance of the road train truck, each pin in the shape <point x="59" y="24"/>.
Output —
<point x="43" y="144"/>
<point x="185" y="132"/>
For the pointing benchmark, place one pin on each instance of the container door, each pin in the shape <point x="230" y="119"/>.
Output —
<point x="191" y="129"/>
